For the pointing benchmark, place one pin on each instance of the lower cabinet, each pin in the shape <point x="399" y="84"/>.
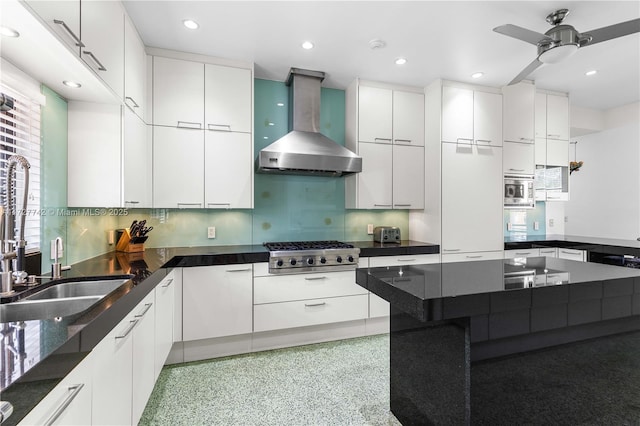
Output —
<point x="572" y="254"/>
<point x="143" y="373"/>
<point x="69" y="403"/>
<point x="471" y="257"/>
<point x="549" y="252"/>
<point x="217" y="301"/>
<point x="165" y="300"/>
<point x="514" y="254"/>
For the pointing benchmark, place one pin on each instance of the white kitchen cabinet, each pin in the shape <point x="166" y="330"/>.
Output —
<point x="63" y="18"/>
<point x="228" y="172"/>
<point x="164" y="327"/>
<point x="572" y="254"/>
<point x="471" y="198"/>
<point x="227" y="98"/>
<point x="519" y="112"/>
<point x="541" y="151"/>
<point x="470" y="116"/>
<point x="408" y="177"/>
<point x="94" y="154"/>
<point x="375" y="182"/>
<point x="143" y="376"/>
<point x="178" y="93"/>
<point x="549" y="252"/>
<point x="375" y="115"/>
<point x="541" y="115"/>
<point x="217" y="301"/>
<point x="521" y="253"/>
<point x="136" y="162"/>
<point x="408" y="118"/>
<point x="74" y="390"/>
<point x="290" y="287"/>
<point x="471" y="257"/>
<point x="557" y="153"/>
<point x="102" y="33"/>
<point x="178" y="167"/>
<point x="518" y="158"/>
<point x="557" y="117"/>
<point x="135" y="70"/>
<point x="487" y="118"/>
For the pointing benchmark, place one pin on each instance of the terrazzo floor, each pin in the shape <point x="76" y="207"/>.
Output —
<point x="336" y="383"/>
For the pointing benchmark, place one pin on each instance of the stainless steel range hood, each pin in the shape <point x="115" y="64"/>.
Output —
<point x="304" y="150"/>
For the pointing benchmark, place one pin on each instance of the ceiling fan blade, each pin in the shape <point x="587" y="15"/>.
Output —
<point x="521" y="33"/>
<point x="525" y="72"/>
<point x="612" y="31"/>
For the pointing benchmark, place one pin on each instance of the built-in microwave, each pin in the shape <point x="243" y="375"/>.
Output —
<point x="519" y="192"/>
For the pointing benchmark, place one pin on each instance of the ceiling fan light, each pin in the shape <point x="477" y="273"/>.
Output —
<point x="558" y="53"/>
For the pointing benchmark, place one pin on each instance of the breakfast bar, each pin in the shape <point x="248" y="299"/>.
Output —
<point x="446" y="316"/>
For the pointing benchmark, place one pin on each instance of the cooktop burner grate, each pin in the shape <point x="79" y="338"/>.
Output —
<point x="306" y="245"/>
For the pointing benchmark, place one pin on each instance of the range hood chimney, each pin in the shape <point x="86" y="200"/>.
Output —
<point x="304" y="150"/>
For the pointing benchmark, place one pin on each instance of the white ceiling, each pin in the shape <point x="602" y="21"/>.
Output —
<point x="449" y="40"/>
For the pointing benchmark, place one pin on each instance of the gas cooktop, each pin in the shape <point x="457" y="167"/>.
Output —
<point x="311" y="256"/>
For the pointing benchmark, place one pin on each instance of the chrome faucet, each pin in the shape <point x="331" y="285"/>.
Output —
<point x="12" y="244"/>
<point x="56" y="267"/>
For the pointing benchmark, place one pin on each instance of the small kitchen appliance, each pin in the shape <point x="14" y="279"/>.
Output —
<point x="386" y="234"/>
<point x="519" y="192"/>
<point x="311" y="256"/>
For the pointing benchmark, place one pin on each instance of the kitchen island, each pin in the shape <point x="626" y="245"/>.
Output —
<point x="445" y="316"/>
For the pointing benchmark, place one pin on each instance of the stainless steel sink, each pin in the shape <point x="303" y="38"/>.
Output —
<point x="59" y="300"/>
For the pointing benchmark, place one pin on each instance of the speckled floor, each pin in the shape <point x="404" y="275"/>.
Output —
<point x="336" y="383"/>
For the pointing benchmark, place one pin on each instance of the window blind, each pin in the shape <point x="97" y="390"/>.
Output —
<point x="20" y="134"/>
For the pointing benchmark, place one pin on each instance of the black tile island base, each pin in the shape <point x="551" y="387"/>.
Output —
<point x="446" y="316"/>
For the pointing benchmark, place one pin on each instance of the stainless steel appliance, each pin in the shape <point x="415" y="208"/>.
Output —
<point x="311" y="256"/>
<point x="519" y="192"/>
<point x="386" y="234"/>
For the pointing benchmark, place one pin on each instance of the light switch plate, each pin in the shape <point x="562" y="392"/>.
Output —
<point x="536" y="226"/>
<point x="211" y="232"/>
<point x="370" y="229"/>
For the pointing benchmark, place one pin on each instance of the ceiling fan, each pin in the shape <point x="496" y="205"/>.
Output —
<point x="562" y="41"/>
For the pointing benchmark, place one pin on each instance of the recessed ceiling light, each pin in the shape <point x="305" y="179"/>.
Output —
<point x="307" y="45"/>
<point x="401" y="61"/>
<point x="72" y="84"/>
<point x="9" y="32"/>
<point x="477" y="74"/>
<point x="592" y="72"/>
<point x="191" y="24"/>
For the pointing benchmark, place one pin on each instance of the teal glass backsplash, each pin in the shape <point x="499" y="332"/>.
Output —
<point x="523" y="221"/>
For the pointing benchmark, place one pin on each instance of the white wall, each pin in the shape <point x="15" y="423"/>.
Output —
<point x="605" y="193"/>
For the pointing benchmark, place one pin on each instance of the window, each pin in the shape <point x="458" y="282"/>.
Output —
<point x="20" y="134"/>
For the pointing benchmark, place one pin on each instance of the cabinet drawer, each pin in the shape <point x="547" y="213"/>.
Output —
<point x="274" y="316"/>
<point x="378" y="307"/>
<point x="571" y="254"/>
<point x="415" y="259"/>
<point x="549" y="252"/>
<point x="471" y="257"/>
<point x="511" y="254"/>
<point x="284" y="288"/>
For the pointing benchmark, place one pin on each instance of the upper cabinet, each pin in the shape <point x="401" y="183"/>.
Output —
<point x="227" y="99"/>
<point x="471" y="116"/>
<point x="63" y="17"/>
<point x="178" y="93"/>
<point x="408" y="118"/>
<point x="552" y="116"/>
<point x="519" y="112"/>
<point x="375" y="115"/>
<point x="135" y="70"/>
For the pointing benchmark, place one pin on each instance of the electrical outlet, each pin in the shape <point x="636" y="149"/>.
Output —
<point x="370" y="229"/>
<point x="566" y="219"/>
<point x="509" y="226"/>
<point x="550" y="223"/>
<point x="211" y="232"/>
<point x="536" y="226"/>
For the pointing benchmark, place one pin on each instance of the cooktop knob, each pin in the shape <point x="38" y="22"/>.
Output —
<point x="293" y="262"/>
<point x="279" y="262"/>
<point x="310" y="261"/>
<point x="323" y="260"/>
<point x="339" y="259"/>
<point x="350" y="258"/>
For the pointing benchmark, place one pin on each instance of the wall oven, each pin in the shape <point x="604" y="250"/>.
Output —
<point x="519" y="192"/>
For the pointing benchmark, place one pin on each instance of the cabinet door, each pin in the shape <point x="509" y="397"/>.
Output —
<point x="165" y="297"/>
<point x="63" y="17"/>
<point x="518" y="102"/>
<point x="518" y="158"/>
<point x="178" y="167"/>
<point x="178" y="93"/>
<point x="541" y="151"/>
<point x="227" y="104"/>
<point x="136" y="162"/>
<point x="408" y="177"/>
<point x="112" y="385"/>
<point x="143" y="371"/>
<point x="375" y="112"/>
<point x="549" y="252"/>
<point x="135" y="70"/>
<point x="408" y="118"/>
<point x="217" y="301"/>
<point x="74" y="389"/>
<point x="457" y="115"/>
<point x="487" y="118"/>
<point x="102" y="29"/>
<point x="94" y="139"/>
<point x="228" y="170"/>
<point x="471" y="198"/>
<point x="572" y="254"/>
<point x="557" y="152"/>
<point x="541" y="116"/>
<point x="375" y="180"/>
<point x="557" y="117"/>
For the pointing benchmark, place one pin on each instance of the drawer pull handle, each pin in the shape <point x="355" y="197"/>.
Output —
<point x="228" y="126"/>
<point x="135" y="104"/>
<point x="314" y="304"/>
<point x="315" y="279"/>
<point x="132" y="202"/>
<point x="550" y="135"/>
<point x="189" y="125"/>
<point x="450" y="249"/>
<point x="517" y="170"/>
<point x="180" y="205"/>
<point x="406" y="260"/>
<point x="470" y="141"/>
<point x="132" y="324"/>
<point x="68" y="30"/>
<point x="404" y="140"/>
<point x="382" y="139"/>
<point x="523" y="254"/>
<point x="74" y="390"/>
<point x="402" y="205"/>
<point x="382" y="205"/>
<point x="98" y="63"/>
<point x="474" y="257"/>
<point x="238" y="270"/>
<point x="570" y="252"/>
<point x="168" y="283"/>
<point x="147" y="306"/>
<point x="488" y="142"/>
<point x="228" y="205"/>
<point x="526" y="139"/>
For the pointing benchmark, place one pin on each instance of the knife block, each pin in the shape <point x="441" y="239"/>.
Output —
<point x="124" y="242"/>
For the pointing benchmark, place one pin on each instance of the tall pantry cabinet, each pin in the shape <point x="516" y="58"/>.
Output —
<point x="463" y="166"/>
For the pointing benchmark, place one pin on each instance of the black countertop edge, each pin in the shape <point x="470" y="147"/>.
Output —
<point x="405" y="247"/>
<point x="568" y="241"/>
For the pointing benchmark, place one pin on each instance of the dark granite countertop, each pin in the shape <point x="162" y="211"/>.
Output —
<point x="573" y="241"/>
<point x="414" y="288"/>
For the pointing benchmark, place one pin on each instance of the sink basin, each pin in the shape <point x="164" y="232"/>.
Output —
<point x="76" y="289"/>
<point x="59" y="300"/>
